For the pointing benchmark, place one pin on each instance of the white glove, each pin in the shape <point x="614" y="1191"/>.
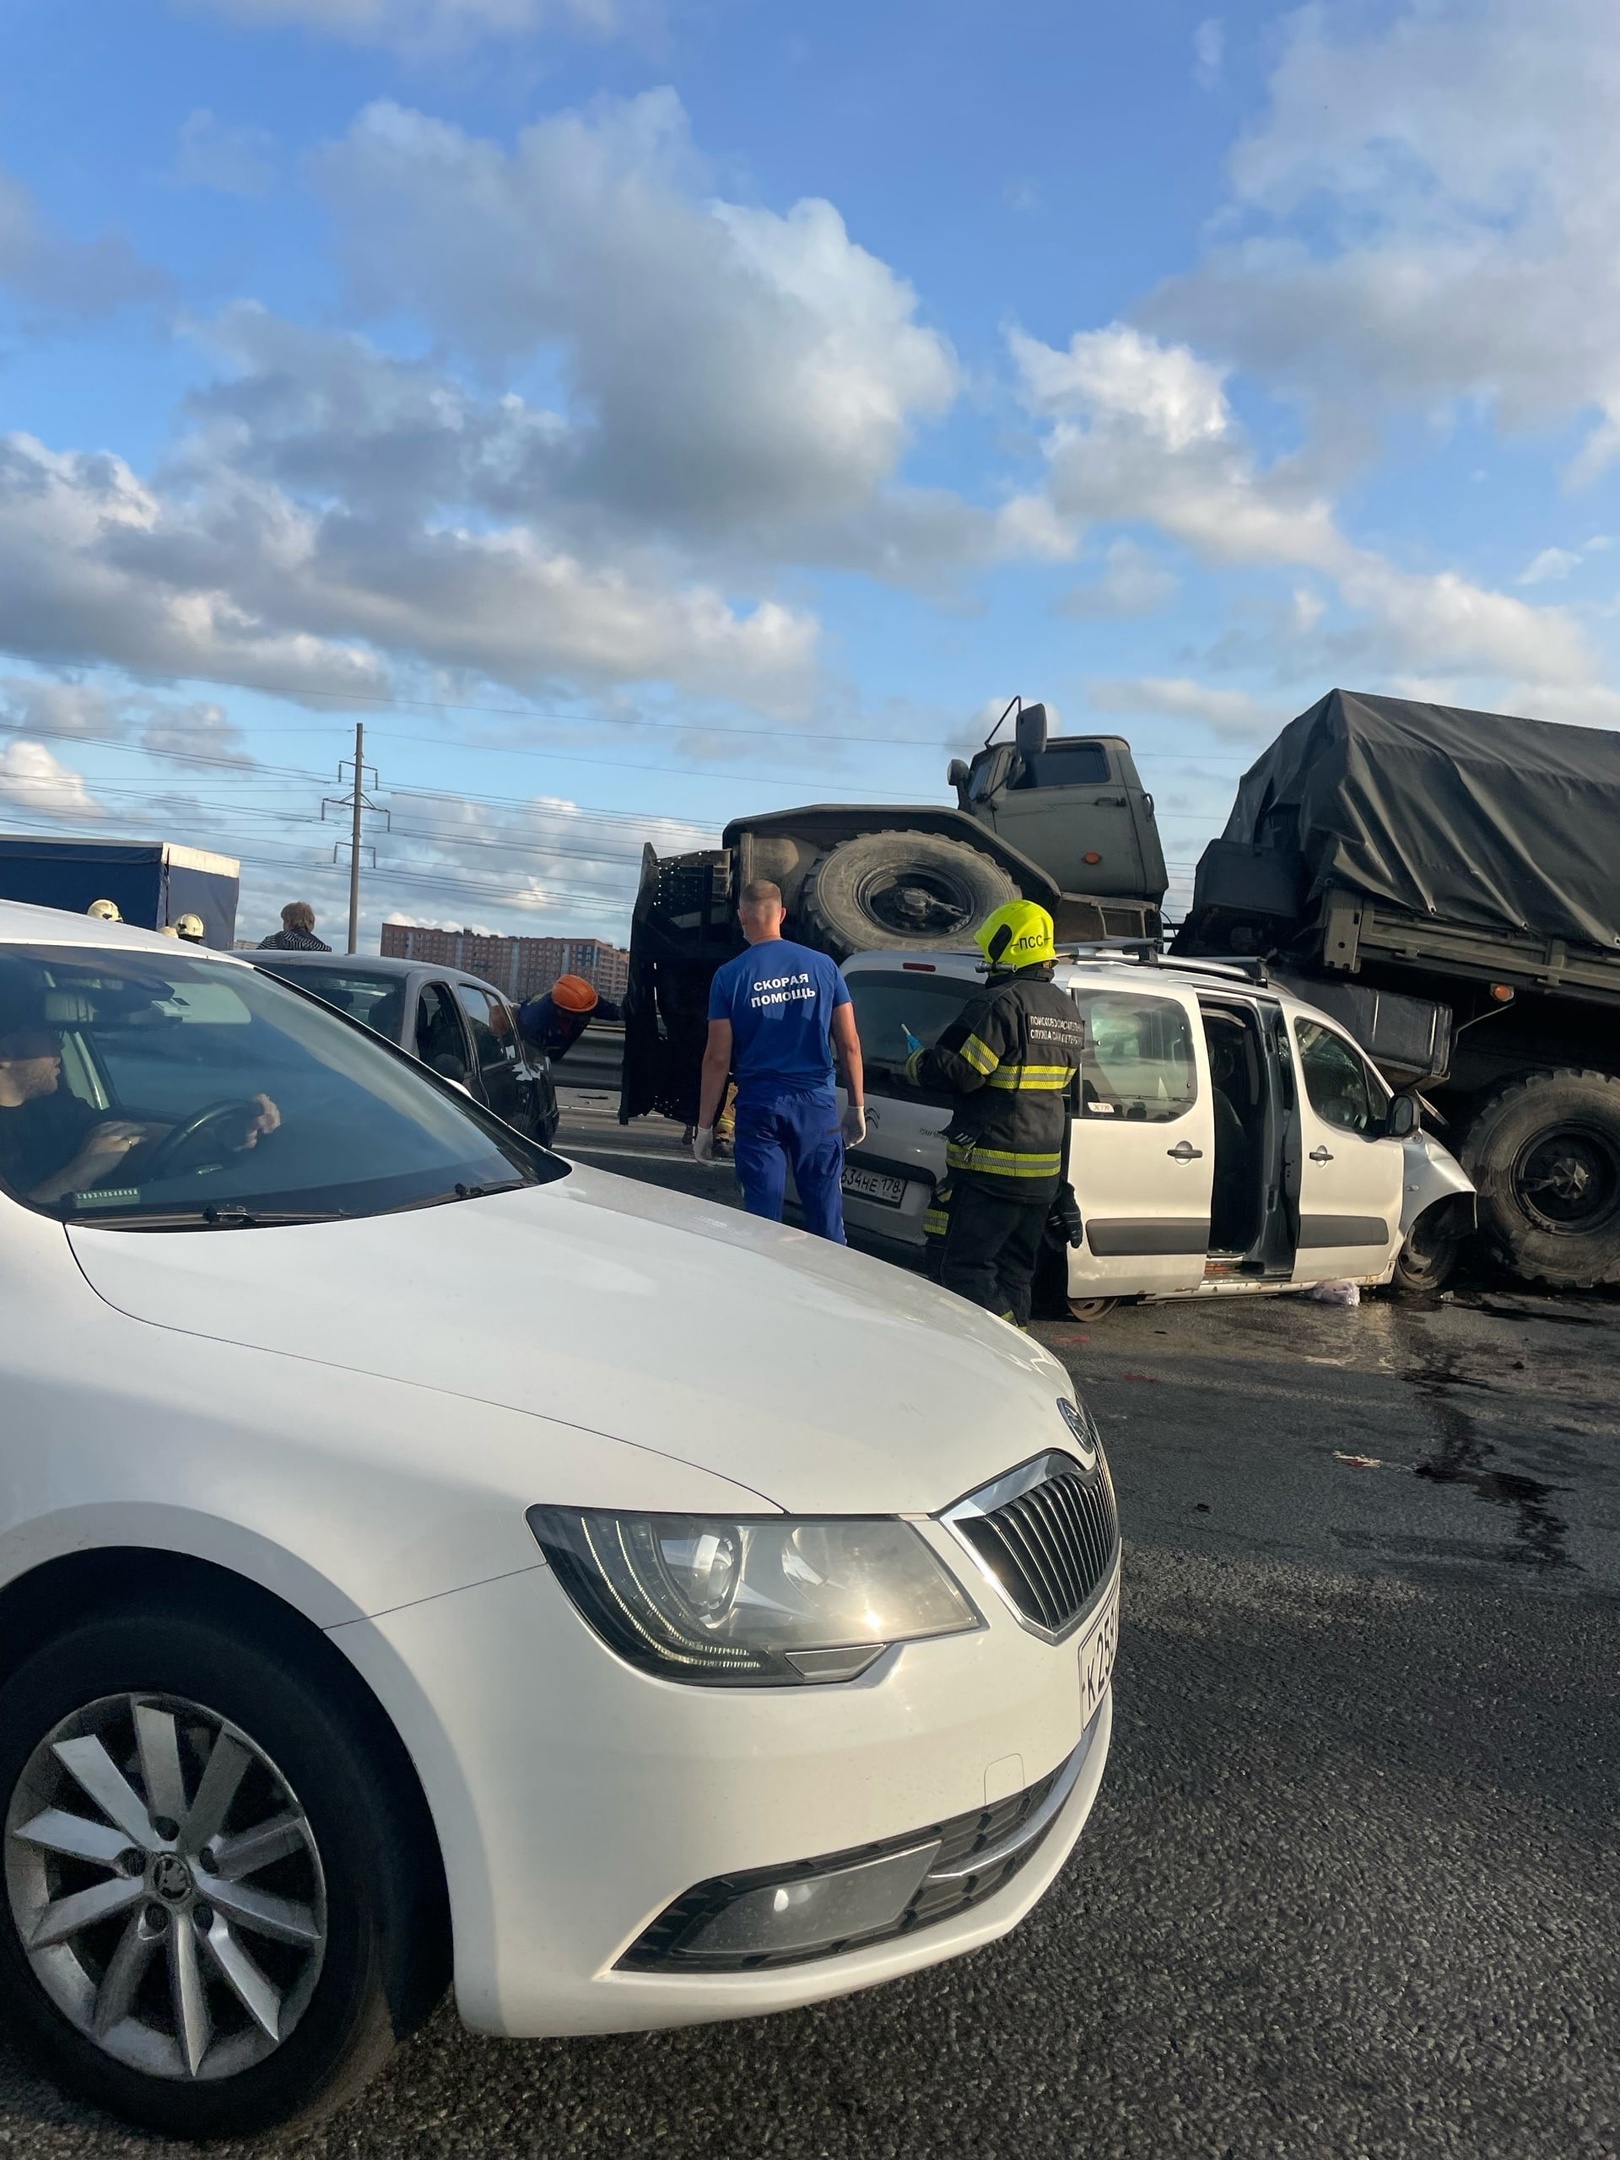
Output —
<point x="853" y="1125"/>
<point x="703" y="1144"/>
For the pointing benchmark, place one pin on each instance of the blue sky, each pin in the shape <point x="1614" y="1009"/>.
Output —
<point x="640" y="412"/>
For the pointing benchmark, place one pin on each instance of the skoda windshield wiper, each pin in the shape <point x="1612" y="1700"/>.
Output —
<point x="226" y="1217"/>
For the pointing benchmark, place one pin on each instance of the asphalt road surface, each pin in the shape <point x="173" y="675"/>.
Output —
<point x="1350" y="1887"/>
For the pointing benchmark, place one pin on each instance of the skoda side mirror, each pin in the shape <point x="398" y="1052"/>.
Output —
<point x="1403" y="1117"/>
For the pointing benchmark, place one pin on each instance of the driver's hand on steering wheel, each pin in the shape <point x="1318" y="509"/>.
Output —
<point x="115" y="1137"/>
<point x="266" y="1121"/>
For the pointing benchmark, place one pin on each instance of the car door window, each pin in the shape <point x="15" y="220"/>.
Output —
<point x="494" y="1042"/>
<point x="504" y="1022"/>
<point x="438" y="1030"/>
<point x="1339" y="1085"/>
<point x="1138" y="1062"/>
<point x="377" y="1001"/>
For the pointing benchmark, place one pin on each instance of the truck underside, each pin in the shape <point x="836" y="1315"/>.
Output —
<point x="855" y="876"/>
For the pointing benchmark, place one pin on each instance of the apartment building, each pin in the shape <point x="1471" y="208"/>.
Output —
<point x="521" y="966"/>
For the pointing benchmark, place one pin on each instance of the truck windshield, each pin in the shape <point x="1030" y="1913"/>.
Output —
<point x="155" y="1091"/>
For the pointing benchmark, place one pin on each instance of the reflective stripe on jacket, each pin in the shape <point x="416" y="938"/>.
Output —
<point x="1011" y="1057"/>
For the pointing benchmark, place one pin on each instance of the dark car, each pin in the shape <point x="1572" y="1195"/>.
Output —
<point x="459" y="1024"/>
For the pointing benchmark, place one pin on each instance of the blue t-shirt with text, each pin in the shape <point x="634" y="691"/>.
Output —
<point x="780" y="1000"/>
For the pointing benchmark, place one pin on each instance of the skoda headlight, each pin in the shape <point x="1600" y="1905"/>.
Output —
<point x="724" y="1603"/>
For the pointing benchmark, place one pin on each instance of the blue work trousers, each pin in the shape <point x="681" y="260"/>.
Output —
<point x="780" y="1129"/>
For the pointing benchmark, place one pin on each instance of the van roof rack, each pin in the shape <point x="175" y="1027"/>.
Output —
<point x="1142" y="953"/>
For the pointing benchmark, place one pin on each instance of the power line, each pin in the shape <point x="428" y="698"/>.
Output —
<point x="291" y="772"/>
<point x="430" y="881"/>
<point x="452" y="836"/>
<point x="666" y="727"/>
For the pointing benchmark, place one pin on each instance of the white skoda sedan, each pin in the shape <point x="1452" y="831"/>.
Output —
<point x="420" y="1558"/>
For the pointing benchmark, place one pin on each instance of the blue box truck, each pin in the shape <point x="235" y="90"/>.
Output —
<point x="151" y="882"/>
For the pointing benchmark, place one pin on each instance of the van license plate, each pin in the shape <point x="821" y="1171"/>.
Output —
<point x="873" y="1185"/>
<point x="1097" y="1649"/>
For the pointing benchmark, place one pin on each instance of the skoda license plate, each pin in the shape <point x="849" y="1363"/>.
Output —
<point x="1097" y="1647"/>
<point x="873" y="1185"/>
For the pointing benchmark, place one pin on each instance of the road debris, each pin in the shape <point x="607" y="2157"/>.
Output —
<point x="1334" y="1293"/>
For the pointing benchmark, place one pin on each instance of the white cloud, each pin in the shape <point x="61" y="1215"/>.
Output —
<point x="51" y="275"/>
<point x="545" y="856"/>
<point x="1142" y="432"/>
<point x="1429" y="212"/>
<point x="1226" y="712"/>
<point x="59" y="708"/>
<point x="31" y="779"/>
<point x="1133" y="582"/>
<point x="726" y="365"/>
<point x="201" y="730"/>
<point x="94" y="568"/>
<point x="419" y="27"/>
<point x="1551" y="563"/>
<point x="1209" y="52"/>
<point x="1118" y="375"/>
<point x="232" y="579"/>
<point x="231" y="160"/>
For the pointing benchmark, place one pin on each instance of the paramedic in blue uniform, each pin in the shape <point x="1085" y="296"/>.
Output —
<point x="779" y="1016"/>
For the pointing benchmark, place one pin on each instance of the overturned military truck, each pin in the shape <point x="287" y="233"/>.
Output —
<point x="1063" y="820"/>
<point x="1448" y="884"/>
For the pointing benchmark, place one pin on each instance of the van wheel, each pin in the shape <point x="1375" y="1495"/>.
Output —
<point x="902" y="888"/>
<point x="1090" y="1308"/>
<point x="1544" y="1155"/>
<point x="1428" y="1258"/>
<point x="213" y="1894"/>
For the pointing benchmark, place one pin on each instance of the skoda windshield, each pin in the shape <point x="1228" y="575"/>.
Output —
<point x="147" y="1090"/>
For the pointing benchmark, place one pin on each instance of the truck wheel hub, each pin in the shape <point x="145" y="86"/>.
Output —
<point x="1568" y="1179"/>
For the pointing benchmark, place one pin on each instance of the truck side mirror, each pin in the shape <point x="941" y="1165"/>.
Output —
<point x="1029" y="731"/>
<point x="958" y="774"/>
<point x="1403" y="1117"/>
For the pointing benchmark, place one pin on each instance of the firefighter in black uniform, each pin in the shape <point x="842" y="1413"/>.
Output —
<point x="1011" y="1058"/>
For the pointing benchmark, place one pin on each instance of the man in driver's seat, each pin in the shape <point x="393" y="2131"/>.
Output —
<point x="51" y="1143"/>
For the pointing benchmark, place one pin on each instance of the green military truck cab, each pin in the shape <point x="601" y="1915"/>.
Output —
<point x="1073" y="803"/>
<point x="1061" y="820"/>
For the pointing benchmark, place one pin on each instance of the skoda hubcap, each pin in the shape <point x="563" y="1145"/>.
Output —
<point x="166" y="1887"/>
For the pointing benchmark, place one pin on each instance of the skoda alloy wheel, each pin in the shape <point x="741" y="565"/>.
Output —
<point x="165" y="1886"/>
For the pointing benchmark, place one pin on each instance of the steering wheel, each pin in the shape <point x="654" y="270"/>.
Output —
<point x="173" y="1145"/>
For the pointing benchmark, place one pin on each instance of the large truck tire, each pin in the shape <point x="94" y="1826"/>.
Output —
<point x="1544" y="1154"/>
<point x="902" y="888"/>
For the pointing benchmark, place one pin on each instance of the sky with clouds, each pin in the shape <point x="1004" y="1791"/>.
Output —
<point x="643" y="411"/>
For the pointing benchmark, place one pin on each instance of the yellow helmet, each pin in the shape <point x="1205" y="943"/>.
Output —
<point x="1016" y="936"/>
<point x="191" y="928"/>
<point x="104" y="911"/>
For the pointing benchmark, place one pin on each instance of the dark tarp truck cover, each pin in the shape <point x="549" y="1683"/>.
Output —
<point x="1469" y="816"/>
